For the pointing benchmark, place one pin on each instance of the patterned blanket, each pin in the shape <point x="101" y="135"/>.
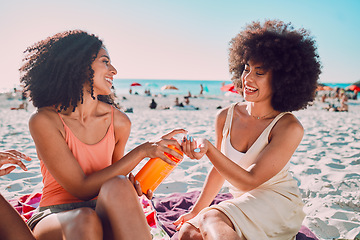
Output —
<point x="160" y="212"/>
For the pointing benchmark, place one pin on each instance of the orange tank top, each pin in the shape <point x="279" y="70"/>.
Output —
<point x="91" y="158"/>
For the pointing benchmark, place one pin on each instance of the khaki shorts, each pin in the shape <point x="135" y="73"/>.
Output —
<point x="43" y="212"/>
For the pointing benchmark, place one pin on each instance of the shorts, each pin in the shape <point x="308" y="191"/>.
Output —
<point x="43" y="212"/>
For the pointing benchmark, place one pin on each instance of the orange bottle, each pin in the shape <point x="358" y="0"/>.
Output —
<point x="155" y="171"/>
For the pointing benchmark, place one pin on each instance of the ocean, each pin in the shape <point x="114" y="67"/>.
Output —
<point x="122" y="86"/>
<point x="211" y="87"/>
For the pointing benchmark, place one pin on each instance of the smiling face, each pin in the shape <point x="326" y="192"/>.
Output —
<point x="103" y="73"/>
<point x="256" y="82"/>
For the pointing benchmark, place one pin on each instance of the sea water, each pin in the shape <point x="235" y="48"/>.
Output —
<point x="122" y="86"/>
<point x="211" y="87"/>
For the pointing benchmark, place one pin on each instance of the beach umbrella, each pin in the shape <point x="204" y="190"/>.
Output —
<point x="228" y="88"/>
<point x="135" y="84"/>
<point x="169" y="87"/>
<point x="354" y="86"/>
<point x="323" y="87"/>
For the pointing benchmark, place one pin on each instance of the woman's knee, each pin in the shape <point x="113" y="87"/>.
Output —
<point x="116" y="187"/>
<point x="189" y="232"/>
<point x="85" y="222"/>
<point x="213" y="216"/>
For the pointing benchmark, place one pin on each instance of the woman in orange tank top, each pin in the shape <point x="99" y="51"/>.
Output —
<point x="80" y="143"/>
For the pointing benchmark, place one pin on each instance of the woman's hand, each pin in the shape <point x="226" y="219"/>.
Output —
<point x="194" y="149"/>
<point x="159" y="147"/>
<point x="183" y="218"/>
<point x="12" y="157"/>
<point x="137" y="187"/>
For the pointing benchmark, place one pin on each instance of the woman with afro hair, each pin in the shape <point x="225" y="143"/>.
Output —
<point x="277" y="69"/>
<point x="80" y="142"/>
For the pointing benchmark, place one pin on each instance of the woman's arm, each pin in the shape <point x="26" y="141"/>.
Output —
<point x="214" y="180"/>
<point x="51" y="147"/>
<point x="284" y="139"/>
<point x="122" y="127"/>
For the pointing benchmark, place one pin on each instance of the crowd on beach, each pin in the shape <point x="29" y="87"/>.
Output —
<point x="80" y="137"/>
<point x="336" y="99"/>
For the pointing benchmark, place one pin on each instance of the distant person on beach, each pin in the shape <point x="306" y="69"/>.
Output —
<point x="24" y="103"/>
<point x="189" y="95"/>
<point x="343" y="104"/>
<point x="201" y="89"/>
<point x="187" y="101"/>
<point x="80" y="143"/>
<point x="153" y="104"/>
<point x="177" y="103"/>
<point x="12" y="226"/>
<point x="278" y="68"/>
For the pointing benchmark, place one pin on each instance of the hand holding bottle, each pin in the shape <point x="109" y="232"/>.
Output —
<point x="160" y="148"/>
<point x="161" y="164"/>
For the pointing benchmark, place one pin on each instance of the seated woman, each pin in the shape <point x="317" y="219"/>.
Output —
<point x="80" y="142"/>
<point x="277" y="68"/>
<point x="12" y="226"/>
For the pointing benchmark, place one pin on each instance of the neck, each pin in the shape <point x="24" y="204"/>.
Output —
<point x="261" y="111"/>
<point x="84" y="109"/>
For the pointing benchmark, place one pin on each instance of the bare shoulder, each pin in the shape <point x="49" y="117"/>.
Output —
<point x="121" y="120"/>
<point x="44" y="118"/>
<point x="221" y="114"/>
<point x="221" y="117"/>
<point x="288" y="125"/>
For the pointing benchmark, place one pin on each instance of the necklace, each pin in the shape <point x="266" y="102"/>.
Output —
<point x="262" y="117"/>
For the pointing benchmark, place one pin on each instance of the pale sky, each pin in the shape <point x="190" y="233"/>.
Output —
<point x="178" y="39"/>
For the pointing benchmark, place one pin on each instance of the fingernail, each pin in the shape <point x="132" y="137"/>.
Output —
<point x="149" y="191"/>
<point x="191" y="139"/>
<point x="197" y="150"/>
<point x="137" y="182"/>
<point x="184" y="139"/>
<point x="188" y="137"/>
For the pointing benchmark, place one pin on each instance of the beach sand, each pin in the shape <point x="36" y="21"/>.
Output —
<point x="326" y="164"/>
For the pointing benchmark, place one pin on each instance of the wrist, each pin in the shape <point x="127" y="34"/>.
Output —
<point x="142" y="149"/>
<point x="209" y="147"/>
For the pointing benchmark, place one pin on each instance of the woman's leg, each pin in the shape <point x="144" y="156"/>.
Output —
<point x="189" y="232"/>
<point x="81" y="223"/>
<point x="120" y="211"/>
<point x="12" y="226"/>
<point x="216" y="225"/>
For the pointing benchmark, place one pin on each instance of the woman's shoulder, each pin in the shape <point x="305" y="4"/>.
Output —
<point x="288" y="123"/>
<point x="45" y="118"/>
<point x="44" y="114"/>
<point x="223" y="112"/>
<point x="120" y="118"/>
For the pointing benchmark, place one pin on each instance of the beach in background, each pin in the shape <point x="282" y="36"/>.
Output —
<point x="326" y="164"/>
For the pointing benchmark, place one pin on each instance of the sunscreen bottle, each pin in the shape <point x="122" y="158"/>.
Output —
<point x="155" y="171"/>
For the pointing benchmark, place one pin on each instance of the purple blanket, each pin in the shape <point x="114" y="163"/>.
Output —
<point x="171" y="207"/>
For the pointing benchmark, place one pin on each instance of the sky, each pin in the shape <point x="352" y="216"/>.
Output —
<point x="179" y="39"/>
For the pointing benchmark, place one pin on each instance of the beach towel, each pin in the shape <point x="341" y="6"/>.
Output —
<point x="169" y="208"/>
<point x="160" y="212"/>
<point x="27" y="204"/>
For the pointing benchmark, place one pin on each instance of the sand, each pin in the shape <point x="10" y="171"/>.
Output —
<point x="326" y="164"/>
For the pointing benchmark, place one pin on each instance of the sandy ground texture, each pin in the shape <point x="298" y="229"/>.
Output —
<point x="326" y="164"/>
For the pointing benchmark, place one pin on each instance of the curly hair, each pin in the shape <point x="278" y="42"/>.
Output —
<point x="290" y="54"/>
<point x="54" y="70"/>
